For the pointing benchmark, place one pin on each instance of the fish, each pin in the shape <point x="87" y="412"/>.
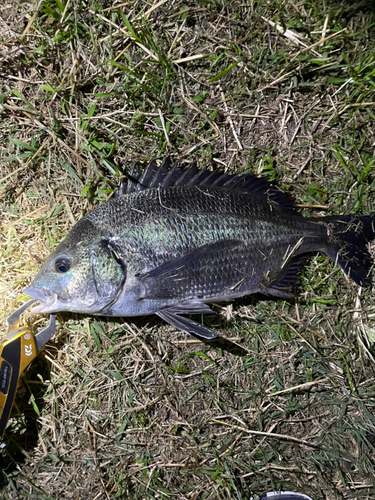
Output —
<point x="175" y="239"/>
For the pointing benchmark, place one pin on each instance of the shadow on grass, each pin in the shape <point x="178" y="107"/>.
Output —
<point x="227" y="345"/>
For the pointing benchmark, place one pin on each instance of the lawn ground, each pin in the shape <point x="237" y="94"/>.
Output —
<point x="132" y="408"/>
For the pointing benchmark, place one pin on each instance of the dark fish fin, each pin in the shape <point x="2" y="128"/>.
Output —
<point x="172" y="316"/>
<point x="183" y="176"/>
<point x="263" y="188"/>
<point x="147" y="176"/>
<point x="159" y="176"/>
<point x="349" y="236"/>
<point x="121" y="189"/>
<point x="174" y="278"/>
<point x="153" y="176"/>
<point x="289" y="280"/>
<point x="167" y="175"/>
<point x="126" y="184"/>
<point x="192" y="307"/>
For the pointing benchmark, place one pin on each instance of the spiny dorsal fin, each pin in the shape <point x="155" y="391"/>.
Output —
<point x="167" y="175"/>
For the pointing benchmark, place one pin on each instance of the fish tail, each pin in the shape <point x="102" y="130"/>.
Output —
<point x="348" y="237"/>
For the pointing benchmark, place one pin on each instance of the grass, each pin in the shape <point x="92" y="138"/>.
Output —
<point x="131" y="408"/>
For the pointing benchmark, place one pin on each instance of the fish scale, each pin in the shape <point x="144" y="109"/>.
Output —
<point x="171" y="221"/>
<point x="174" y="239"/>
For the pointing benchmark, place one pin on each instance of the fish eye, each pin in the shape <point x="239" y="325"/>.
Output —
<point x="62" y="264"/>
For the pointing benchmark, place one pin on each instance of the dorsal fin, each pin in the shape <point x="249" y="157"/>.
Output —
<point x="152" y="177"/>
<point x="167" y="175"/>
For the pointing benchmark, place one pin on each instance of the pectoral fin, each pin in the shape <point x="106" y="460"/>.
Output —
<point x="189" y="273"/>
<point x="172" y="316"/>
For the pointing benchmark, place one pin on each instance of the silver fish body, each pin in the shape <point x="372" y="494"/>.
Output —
<point x="174" y="240"/>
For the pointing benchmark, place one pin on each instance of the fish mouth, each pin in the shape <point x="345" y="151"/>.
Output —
<point x="47" y="300"/>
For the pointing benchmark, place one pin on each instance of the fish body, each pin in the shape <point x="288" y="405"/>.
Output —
<point x="174" y="240"/>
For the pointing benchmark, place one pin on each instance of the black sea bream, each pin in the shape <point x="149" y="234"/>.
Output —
<point x="174" y="240"/>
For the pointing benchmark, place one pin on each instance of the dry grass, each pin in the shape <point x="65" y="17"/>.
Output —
<point x="132" y="408"/>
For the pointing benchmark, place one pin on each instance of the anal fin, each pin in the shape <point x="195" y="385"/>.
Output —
<point x="283" y="286"/>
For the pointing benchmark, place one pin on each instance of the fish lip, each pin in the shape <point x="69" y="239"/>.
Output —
<point x="47" y="299"/>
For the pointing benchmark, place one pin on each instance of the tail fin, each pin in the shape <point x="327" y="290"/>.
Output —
<point x="349" y="236"/>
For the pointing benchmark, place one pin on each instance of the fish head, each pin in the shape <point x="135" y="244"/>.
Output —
<point x="84" y="274"/>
